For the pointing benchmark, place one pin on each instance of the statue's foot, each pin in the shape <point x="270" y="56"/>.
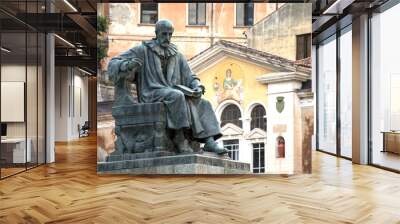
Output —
<point x="181" y="143"/>
<point x="214" y="147"/>
<point x="184" y="147"/>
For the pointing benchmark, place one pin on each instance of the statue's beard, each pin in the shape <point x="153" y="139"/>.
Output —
<point x="165" y="44"/>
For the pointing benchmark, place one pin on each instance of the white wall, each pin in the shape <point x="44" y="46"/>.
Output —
<point x="71" y="102"/>
<point x="282" y="124"/>
<point x="13" y="73"/>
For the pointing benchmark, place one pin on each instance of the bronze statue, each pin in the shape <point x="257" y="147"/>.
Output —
<point x="163" y="75"/>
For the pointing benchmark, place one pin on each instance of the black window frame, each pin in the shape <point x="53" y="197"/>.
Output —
<point x="303" y="46"/>
<point x="258" y="157"/>
<point x="231" y="114"/>
<point x="147" y="5"/>
<point x="197" y="23"/>
<point x="232" y="145"/>
<point x="258" y="119"/>
<point x="248" y="14"/>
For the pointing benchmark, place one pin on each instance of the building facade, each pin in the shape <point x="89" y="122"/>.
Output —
<point x="197" y="25"/>
<point x="256" y="97"/>
<point x="245" y="85"/>
<point x="291" y="40"/>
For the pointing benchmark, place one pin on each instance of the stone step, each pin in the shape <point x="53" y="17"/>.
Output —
<point x="207" y="163"/>
<point x="133" y="156"/>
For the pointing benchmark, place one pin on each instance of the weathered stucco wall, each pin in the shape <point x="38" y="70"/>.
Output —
<point x="276" y="34"/>
<point x="126" y="31"/>
<point x="307" y="119"/>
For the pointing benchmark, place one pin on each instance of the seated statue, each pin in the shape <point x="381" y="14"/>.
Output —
<point x="162" y="74"/>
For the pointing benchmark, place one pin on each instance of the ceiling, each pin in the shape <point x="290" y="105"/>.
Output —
<point x="73" y="22"/>
<point x="330" y="15"/>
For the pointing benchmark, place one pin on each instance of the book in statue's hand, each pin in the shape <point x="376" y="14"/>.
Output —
<point x="187" y="91"/>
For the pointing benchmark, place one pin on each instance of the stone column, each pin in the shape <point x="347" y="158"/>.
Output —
<point x="284" y="120"/>
<point x="50" y="93"/>
<point x="360" y="90"/>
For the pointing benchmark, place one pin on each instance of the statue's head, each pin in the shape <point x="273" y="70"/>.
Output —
<point x="164" y="30"/>
<point x="228" y="73"/>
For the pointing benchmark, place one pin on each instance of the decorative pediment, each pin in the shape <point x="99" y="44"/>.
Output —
<point x="257" y="133"/>
<point x="224" y="48"/>
<point x="279" y="77"/>
<point x="231" y="129"/>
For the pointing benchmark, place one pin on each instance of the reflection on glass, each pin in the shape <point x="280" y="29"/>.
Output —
<point x="22" y="88"/>
<point x="31" y="97"/>
<point x="41" y="98"/>
<point x="346" y="93"/>
<point x="385" y="84"/>
<point x="327" y="95"/>
<point x="13" y="84"/>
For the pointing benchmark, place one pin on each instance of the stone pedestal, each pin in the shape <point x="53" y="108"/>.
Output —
<point x="141" y="128"/>
<point x="166" y="162"/>
<point x="143" y="146"/>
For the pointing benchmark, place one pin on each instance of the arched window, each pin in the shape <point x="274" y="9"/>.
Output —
<point x="258" y="119"/>
<point x="280" y="147"/>
<point x="231" y="114"/>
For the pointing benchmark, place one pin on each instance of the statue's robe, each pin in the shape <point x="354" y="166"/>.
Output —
<point x="155" y="84"/>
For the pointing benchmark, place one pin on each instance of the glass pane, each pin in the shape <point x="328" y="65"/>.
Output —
<point x="239" y="14"/>
<point x="346" y="94"/>
<point x="257" y="118"/>
<point x="41" y="98"/>
<point x="385" y="84"/>
<point x="327" y="96"/>
<point x="249" y="20"/>
<point x="262" y="160"/>
<point x="233" y="148"/>
<point x="201" y="17"/>
<point x="231" y="114"/>
<point x="308" y="45"/>
<point x="256" y="158"/>
<point x="149" y="13"/>
<point x="300" y="47"/>
<point x="13" y="74"/>
<point x="192" y="13"/>
<point x="31" y="98"/>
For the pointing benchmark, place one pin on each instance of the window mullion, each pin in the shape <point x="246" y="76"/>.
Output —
<point x="197" y="13"/>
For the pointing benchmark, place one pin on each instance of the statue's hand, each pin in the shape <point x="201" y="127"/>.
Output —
<point x="199" y="91"/>
<point x="127" y="66"/>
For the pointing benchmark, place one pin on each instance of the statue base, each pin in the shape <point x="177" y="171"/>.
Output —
<point x="165" y="162"/>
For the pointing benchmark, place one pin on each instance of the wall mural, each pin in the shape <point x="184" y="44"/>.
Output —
<point x="228" y="84"/>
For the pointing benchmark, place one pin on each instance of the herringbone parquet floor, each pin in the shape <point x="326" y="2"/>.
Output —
<point x="70" y="191"/>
